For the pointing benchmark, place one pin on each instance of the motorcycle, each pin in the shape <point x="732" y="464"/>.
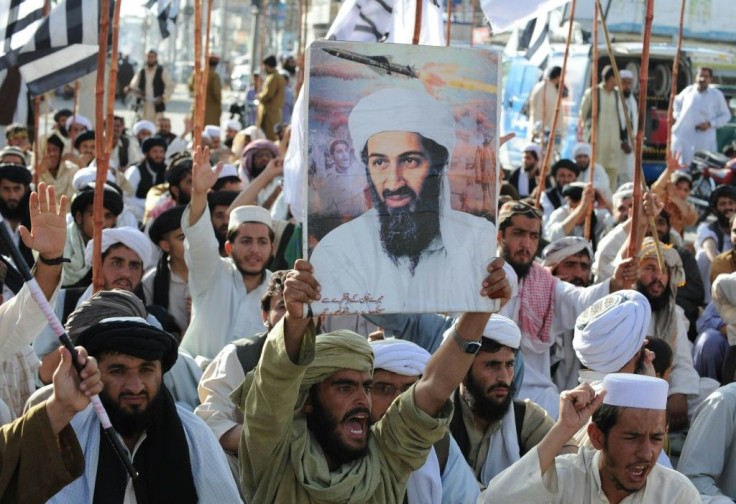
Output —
<point x="709" y="170"/>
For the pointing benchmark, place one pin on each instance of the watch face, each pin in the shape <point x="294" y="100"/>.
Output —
<point x="472" y="347"/>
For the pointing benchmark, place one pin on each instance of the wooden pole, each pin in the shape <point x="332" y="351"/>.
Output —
<point x="206" y="74"/>
<point x="673" y="91"/>
<point x="593" y="121"/>
<point x="634" y="239"/>
<point x="113" y="82"/>
<point x="72" y="135"/>
<point x="448" y="34"/>
<point x="417" y="22"/>
<point x="629" y="126"/>
<point x="196" y="124"/>
<point x="560" y="89"/>
<point x="101" y="155"/>
<point x="36" y="137"/>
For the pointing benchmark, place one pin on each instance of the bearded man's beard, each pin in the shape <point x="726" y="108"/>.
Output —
<point x="479" y="403"/>
<point x="17" y="212"/>
<point x="131" y="423"/>
<point x="627" y="93"/>
<point x="157" y="167"/>
<point x="657" y="302"/>
<point x="722" y="219"/>
<point x="323" y="425"/>
<point x="407" y="231"/>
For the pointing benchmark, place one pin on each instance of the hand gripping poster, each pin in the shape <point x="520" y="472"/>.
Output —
<point x="402" y="176"/>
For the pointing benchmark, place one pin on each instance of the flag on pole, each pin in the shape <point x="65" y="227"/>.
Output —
<point x="166" y="12"/>
<point x="358" y="21"/>
<point x="505" y="14"/>
<point x="62" y="48"/>
<point x="535" y="39"/>
<point x="18" y="23"/>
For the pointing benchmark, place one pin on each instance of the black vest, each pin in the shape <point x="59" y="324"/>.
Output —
<point x="158" y="86"/>
<point x="554" y="196"/>
<point x="713" y="226"/>
<point x="147" y="180"/>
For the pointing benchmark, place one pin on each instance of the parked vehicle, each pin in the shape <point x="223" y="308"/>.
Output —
<point x="708" y="171"/>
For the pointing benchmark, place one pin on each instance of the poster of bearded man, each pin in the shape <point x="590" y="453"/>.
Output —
<point x="402" y="190"/>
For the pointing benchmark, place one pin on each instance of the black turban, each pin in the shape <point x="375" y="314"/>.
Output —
<point x="270" y="61"/>
<point x="574" y="191"/>
<point x="130" y="336"/>
<point x="221" y="198"/>
<point x="112" y="198"/>
<point x="177" y="169"/>
<point x="566" y="164"/>
<point x="152" y="142"/>
<point x="83" y="137"/>
<point x="56" y="140"/>
<point x="168" y="221"/>
<point x="16" y="173"/>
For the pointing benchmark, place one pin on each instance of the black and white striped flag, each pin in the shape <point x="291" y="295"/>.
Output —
<point x="166" y="12"/>
<point x="63" y="47"/>
<point x="19" y="20"/>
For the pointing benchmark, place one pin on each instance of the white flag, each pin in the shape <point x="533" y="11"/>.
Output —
<point x="505" y="14"/>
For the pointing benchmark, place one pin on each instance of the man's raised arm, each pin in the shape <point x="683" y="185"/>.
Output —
<point x="449" y="365"/>
<point x="203" y="178"/>
<point x="300" y="289"/>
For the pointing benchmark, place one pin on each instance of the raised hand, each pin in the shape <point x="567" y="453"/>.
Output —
<point x="203" y="176"/>
<point x="300" y="289"/>
<point x="625" y="274"/>
<point x="48" y="223"/>
<point x="577" y="406"/>
<point x="496" y="285"/>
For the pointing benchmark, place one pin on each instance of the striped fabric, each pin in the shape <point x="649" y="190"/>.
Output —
<point x="166" y="12"/>
<point x="18" y="22"/>
<point x="62" y="48"/>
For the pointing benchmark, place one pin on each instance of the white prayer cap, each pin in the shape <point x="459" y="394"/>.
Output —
<point x="232" y="125"/>
<point x="624" y="191"/>
<point x="254" y="132"/>
<point x="503" y="330"/>
<point x="626" y="74"/>
<point x="78" y="119"/>
<point x="249" y="213"/>
<point x="206" y="135"/>
<point x="535" y="148"/>
<point x="723" y="293"/>
<point x="635" y="391"/>
<point x="84" y="176"/>
<point x="398" y="109"/>
<point x="612" y="330"/>
<point x="144" y="125"/>
<point x="559" y="250"/>
<point x="152" y="50"/>
<point x="581" y="149"/>
<point x="228" y="170"/>
<point x="131" y="237"/>
<point x="399" y="356"/>
<point x="212" y="130"/>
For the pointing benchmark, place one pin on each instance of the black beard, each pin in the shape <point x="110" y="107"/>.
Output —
<point x="722" y="219"/>
<point x="627" y="93"/>
<point x="129" y="424"/>
<point x="521" y="270"/>
<point x="528" y="169"/>
<point x="406" y="232"/>
<point x="19" y="212"/>
<point x="157" y="167"/>
<point x="482" y="406"/>
<point x="322" y="424"/>
<point x="657" y="302"/>
<point x="182" y="198"/>
<point x="255" y="170"/>
<point x="258" y="273"/>
<point x="290" y="68"/>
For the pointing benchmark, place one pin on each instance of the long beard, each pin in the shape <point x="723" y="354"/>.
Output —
<point x="722" y="219"/>
<point x="157" y="167"/>
<point x="323" y="425"/>
<point x="407" y="231"/>
<point x="128" y="423"/>
<point x="657" y="302"/>
<point x="16" y="213"/>
<point x="487" y="409"/>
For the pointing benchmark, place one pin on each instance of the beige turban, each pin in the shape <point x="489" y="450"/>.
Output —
<point x="335" y="351"/>
<point x="723" y="293"/>
<point x="559" y="250"/>
<point x="671" y="259"/>
<point x="612" y="330"/>
<point x="399" y="356"/>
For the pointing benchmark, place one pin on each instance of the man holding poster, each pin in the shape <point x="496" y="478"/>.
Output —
<point x="411" y="252"/>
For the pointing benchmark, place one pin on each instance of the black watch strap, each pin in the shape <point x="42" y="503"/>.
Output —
<point x="54" y="262"/>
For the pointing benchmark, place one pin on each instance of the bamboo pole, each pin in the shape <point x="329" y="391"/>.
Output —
<point x="101" y="155"/>
<point x="196" y="124"/>
<point x="417" y="22"/>
<point x="36" y="136"/>
<point x="72" y="135"/>
<point x="673" y="91"/>
<point x="558" y="106"/>
<point x="203" y="83"/>
<point x="113" y="81"/>
<point x="449" y="23"/>
<point x="629" y="127"/>
<point x="593" y="122"/>
<point x="634" y="239"/>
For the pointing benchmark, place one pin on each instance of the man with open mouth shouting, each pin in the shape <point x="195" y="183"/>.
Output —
<point x="307" y="435"/>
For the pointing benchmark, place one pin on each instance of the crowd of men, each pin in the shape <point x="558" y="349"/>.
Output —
<point x="598" y="376"/>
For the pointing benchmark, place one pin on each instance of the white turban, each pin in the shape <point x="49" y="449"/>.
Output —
<point x="78" y="119"/>
<point x="399" y="109"/>
<point x="228" y="170"/>
<point x="723" y="293"/>
<point x="131" y="237"/>
<point x="84" y="176"/>
<point x="212" y="131"/>
<point x="232" y="124"/>
<point x="144" y="125"/>
<point x="399" y="356"/>
<point x="559" y="250"/>
<point x="612" y="330"/>
<point x="624" y="191"/>
<point x="635" y="391"/>
<point x="626" y="74"/>
<point x="503" y="330"/>
<point x="581" y="149"/>
<point x="254" y="132"/>
<point x="535" y="148"/>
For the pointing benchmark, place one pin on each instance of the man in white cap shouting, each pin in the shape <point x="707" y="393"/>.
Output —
<point x="628" y="428"/>
<point x="492" y="429"/>
<point x="411" y="251"/>
<point x="445" y="477"/>
<point x="226" y="292"/>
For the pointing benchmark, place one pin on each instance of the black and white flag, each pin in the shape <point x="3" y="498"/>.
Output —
<point x="166" y="12"/>
<point x="19" y="20"/>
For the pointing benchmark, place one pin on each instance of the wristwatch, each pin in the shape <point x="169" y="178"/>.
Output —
<point x="470" y="347"/>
